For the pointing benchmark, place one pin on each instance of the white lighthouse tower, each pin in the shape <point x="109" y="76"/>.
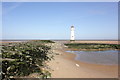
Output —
<point x="72" y="33"/>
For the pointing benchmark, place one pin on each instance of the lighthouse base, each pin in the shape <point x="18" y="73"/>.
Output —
<point x="72" y="40"/>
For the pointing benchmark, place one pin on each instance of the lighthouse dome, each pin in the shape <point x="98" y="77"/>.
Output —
<point x="72" y="26"/>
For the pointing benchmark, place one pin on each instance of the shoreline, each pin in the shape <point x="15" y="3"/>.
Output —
<point x="65" y="66"/>
<point x="101" y="71"/>
<point x="71" y="49"/>
<point x="79" y="62"/>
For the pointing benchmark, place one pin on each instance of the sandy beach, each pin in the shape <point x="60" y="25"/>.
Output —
<point x="65" y="66"/>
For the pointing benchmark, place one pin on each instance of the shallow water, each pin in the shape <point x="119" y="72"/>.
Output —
<point x="108" y="57"/>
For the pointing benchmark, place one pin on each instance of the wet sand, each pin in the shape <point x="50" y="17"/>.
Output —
<point x="65" y="66"/>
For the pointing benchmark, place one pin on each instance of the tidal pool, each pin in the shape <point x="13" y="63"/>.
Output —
<point x="108" y="57"/>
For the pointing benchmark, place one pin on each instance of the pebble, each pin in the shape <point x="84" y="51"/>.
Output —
<point x="77" y="65"/>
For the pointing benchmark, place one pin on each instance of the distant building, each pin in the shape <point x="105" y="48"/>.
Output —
<point x="72" y="33"/>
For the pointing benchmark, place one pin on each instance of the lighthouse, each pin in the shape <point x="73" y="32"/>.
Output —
<point x="72" y="33"/>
